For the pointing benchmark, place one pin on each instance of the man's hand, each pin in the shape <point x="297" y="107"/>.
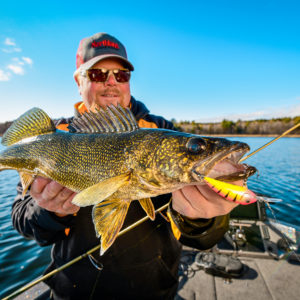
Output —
<point x="54" y="197"/>
<point x="199" y="201"/>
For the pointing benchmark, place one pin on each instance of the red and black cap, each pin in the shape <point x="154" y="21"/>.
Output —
<point x="98" y="47"/>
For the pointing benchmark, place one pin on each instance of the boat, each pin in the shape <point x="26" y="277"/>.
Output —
<point x="268" y="251"/>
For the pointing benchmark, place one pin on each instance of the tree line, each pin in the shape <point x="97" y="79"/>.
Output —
<point x="274" y="126"/>
<point x="259" y="127"/>
<point x="4" y="127"/>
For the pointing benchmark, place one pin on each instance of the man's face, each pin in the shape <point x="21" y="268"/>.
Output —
<point x="104" y="93"/>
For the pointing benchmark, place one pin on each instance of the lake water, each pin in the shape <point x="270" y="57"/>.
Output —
<point x="21" y="261"/>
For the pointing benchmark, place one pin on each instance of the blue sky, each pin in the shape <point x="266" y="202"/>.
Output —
<point x="194" y="60"/>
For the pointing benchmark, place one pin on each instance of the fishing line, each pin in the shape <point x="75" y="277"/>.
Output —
<point x="78" y="258"/>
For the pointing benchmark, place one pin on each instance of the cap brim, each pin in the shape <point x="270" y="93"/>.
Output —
<point x="87" y="65"/>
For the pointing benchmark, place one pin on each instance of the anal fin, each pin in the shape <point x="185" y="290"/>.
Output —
<point x="148" y="207"/>
<point x="26" y="181"/>
<point x="108" y="218"/>
<point x="100" y="191"/>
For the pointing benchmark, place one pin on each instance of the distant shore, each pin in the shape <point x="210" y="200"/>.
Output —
<point x="255" y="128"/>
<point x="226" y="128"/>
<point x="251" y="135"/>
<point x="244" y="135"/>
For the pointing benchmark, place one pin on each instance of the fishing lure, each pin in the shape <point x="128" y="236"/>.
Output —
<point x="236" y="193"/>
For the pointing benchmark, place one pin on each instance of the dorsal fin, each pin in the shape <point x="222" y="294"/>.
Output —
<point x="32" y="123"/>
<point x="110" y="120"/>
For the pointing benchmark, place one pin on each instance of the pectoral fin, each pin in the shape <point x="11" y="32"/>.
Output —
<point x="100" y="191"/>
<point x="26" y="181"/>
<point x="148" y="207"/>
<point x="108" y="218"/>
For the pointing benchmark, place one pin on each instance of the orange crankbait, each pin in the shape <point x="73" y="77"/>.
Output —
<point x="236" y="193"/>
<point x="231" y="192"/>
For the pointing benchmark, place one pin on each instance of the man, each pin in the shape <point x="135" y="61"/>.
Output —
<point x="142" y="263"/>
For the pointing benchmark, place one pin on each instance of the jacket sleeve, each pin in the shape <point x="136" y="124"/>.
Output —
<point x="200" y="233"/>
<point x="34" y="222"/>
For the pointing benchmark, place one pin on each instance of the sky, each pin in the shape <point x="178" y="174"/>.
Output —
<point x="194" y="60"/>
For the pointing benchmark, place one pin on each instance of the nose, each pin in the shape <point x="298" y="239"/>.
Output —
<point x="110" y="80"/>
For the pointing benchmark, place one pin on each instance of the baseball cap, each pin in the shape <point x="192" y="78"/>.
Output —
<point x="98" y="47"/>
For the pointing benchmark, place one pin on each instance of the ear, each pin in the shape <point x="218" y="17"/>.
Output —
<point x="76" y="77"/>
<point x="78" y="82"/>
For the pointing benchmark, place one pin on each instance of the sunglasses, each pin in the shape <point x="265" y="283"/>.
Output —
<point x="101" y="75"/>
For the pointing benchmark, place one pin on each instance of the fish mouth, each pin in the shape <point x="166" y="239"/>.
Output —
<point x="225" y="165"/>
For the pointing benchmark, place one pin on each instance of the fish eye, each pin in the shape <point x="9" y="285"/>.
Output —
<point x="196" y="145"/>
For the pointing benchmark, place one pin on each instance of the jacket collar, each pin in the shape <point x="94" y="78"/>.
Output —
<point x="138" y="109"/>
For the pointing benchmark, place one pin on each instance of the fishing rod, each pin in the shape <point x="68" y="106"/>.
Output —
<point x="78" y="258"/>
<point x="269" y="143"/>
<point x="26" y="287"/>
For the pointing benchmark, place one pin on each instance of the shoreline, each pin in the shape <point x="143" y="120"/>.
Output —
<point x="251" y="135"/>
<point x="241" y="135"/>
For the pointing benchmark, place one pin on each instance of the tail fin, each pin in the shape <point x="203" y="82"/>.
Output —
<point x="33" y="122"/>
<point x="108" y="218"/>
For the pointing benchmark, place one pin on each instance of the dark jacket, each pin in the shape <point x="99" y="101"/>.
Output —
<point x="142" y="264"/>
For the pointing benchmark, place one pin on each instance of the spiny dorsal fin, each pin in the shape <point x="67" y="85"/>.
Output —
<point x="110" y="120"/>
<point x="32" y="123"/>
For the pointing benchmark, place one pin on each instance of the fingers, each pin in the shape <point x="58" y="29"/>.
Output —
<point x="209" y="194"/>
<point x="67" y="205"/>
<point x="52" y="190"/>
<point x="183" y="205"/>
<point x="53" y="196"/>
<point x="215" y="205"/>
<point x="199" y="201"/>
<point x="38" y="185"/>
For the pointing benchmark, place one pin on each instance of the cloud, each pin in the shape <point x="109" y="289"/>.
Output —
<point x="17" y="69"/>
<point x="17" y="65"/>
<point x="270" y="113"/>
<point x="11" y="50"/>
<point x="22" y="61"/>
<point x="17" y="61"/>
<point x="4" y="76"/>
<point x="9" y="42"/>
<point x="276" y="112"/>
<point x="27" y="60"/>
<point x="11" y="46"/>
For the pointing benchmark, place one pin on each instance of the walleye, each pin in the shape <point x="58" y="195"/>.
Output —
<point x="109" y="161"/>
